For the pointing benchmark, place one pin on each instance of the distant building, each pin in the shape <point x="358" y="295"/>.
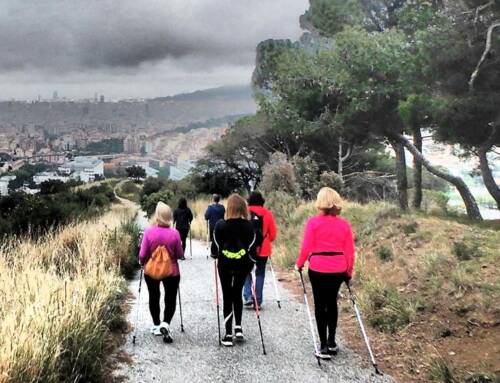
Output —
<point x="181" y="170"/>
<point x="4" y="184"/>
<point x="55" y="97"/>
<point x="48" y="176"/>
<point x="83" y="168"/>
<point x="101" y="99"/>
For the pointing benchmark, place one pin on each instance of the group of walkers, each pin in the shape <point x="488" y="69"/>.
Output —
<point x="241" y="238"/>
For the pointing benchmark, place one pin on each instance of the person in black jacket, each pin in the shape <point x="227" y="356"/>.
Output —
<point x="182" y="220"/>
<point x="234" y="247"/>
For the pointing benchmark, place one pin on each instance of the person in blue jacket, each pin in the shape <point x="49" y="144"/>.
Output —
<point x="215" y="212"/>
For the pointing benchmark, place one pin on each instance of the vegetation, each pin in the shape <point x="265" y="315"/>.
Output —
<point x="22" y="213"/>
<point x="106" y="146"/>
<point x="135" y="172"/>
<point x="64" y="300"/>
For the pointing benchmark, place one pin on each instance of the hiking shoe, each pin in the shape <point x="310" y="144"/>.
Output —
<point x="238" y="333"/>
<point x="155" y="330"/>
<point x="165" y="331"/>
<point x="322" y="353"/>
<point x="248" y="303"/>
<point x="333" y="349"/>
<point x="227" y="340"/>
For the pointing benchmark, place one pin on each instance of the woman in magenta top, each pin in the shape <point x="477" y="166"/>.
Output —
<point x="162" y="234"/>
<point x="328" y="245"/>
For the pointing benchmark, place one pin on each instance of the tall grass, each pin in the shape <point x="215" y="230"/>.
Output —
<point x="60" y="297"/>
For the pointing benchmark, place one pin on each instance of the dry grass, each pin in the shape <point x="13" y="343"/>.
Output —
<point x="199" y="225"/>
<point x="424" y="283"/>
<point x="59" y="299"/>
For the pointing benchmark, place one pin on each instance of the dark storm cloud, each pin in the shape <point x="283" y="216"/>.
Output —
<point x="61" y="36"/>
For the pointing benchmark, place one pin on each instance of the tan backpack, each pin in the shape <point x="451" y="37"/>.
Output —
<point x="159" y="265"/>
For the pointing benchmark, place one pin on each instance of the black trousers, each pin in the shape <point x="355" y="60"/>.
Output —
<point x="170" y="284"/>
<point x="183" y="233"/>
<point x="231" y="283"/>
<point x="325" y="287"/>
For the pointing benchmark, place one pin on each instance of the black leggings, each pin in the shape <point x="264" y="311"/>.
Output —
<point x="170" y="284"/>
<point x="183" y="233"/>
<point x="325" y="287"/>
<point x="232" y="282"/>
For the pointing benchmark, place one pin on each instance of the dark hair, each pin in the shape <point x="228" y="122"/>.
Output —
<point x="216" y="197"/>
<point x="183" y="203"/>
<point x="256" y="199"/>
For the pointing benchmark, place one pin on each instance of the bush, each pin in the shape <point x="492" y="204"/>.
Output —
<point x="279" y="175"/>
<point x="307" y="175"/>
<point x="332" y="180"/>
<point x="149" y="202"/>
<point x="410" y="227"/>
<point x="385" y="253"/>
<point x="466" y="251"/>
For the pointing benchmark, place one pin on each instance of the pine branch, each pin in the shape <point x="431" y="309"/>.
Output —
<point x="487" y="49"/>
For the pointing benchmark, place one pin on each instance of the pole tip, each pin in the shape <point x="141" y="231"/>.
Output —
<point x="377" y="371"/>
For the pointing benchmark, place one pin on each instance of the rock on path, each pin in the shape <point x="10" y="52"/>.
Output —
<point x="195" y="355"/>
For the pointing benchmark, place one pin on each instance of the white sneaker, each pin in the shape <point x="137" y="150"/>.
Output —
<point x="165" y="331"/>
<point x="155" y="330"/>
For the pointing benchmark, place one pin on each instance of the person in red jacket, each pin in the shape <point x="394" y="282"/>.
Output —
<point x="328" y="245"/>
<point x="268" y="224"/>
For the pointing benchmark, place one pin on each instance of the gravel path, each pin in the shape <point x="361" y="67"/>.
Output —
<point x="195" y="355"/>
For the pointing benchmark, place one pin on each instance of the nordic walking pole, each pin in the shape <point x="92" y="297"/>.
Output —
<point x="276" y="292"/>
<point x="190" y="242"/>
<point x="208" y="239"/>
<point x="180" y="307"/>
<point x="217" y="299"/>
<point x="362" y="327"/>
<point x="257" y="313"/>
<point x="138" y="306"/>
<point x="310" y="318"/>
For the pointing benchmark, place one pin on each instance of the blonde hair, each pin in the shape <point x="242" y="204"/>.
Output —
<point x="236" y="207"/>
<point x="163" y="215"/>
<point x="329" y="202"/>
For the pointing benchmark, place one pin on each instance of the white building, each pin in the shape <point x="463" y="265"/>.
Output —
<point x="83" y="168"/>
<point x="47" y="176"/>
<point x="181" y="170"/>
<point x="4" y="184"/>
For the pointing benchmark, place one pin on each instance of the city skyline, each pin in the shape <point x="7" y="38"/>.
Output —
<point x="128" y="50"/>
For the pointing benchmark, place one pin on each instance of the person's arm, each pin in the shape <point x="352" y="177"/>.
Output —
<point x="218" y="239"/>
<point x="349" y="251"/>
<point x="144" y="252"/>
<point x="190" y="216"/>
<point x="306" y="247"/>
<point x="207" y="213"/>
<point x="272" y="231"/>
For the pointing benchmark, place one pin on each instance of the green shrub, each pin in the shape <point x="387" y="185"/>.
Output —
<point x="385" y="253"/>
<point x="410" y="227"/>
<point x="465" y="251"/>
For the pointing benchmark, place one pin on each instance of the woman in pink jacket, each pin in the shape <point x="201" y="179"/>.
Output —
<point x="162" y="234"/>
<point x="328" y="245"/>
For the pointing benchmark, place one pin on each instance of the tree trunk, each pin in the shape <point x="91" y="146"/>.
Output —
<point x="417" y="169"/>
<point x="401" y="177"/>
<point x="469" y="200"/>
<point x="488" y="179"/>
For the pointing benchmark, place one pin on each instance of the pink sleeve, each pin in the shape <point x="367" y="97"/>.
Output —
<point x="349" y="250"/>
<point x="306" y="247"/>
<point x="144" y="251"/>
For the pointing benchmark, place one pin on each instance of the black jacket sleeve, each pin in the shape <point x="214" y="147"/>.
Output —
<point x="218" y="239"/>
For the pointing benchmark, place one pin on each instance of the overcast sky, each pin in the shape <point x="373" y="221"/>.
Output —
<point x="134" y="48"/>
